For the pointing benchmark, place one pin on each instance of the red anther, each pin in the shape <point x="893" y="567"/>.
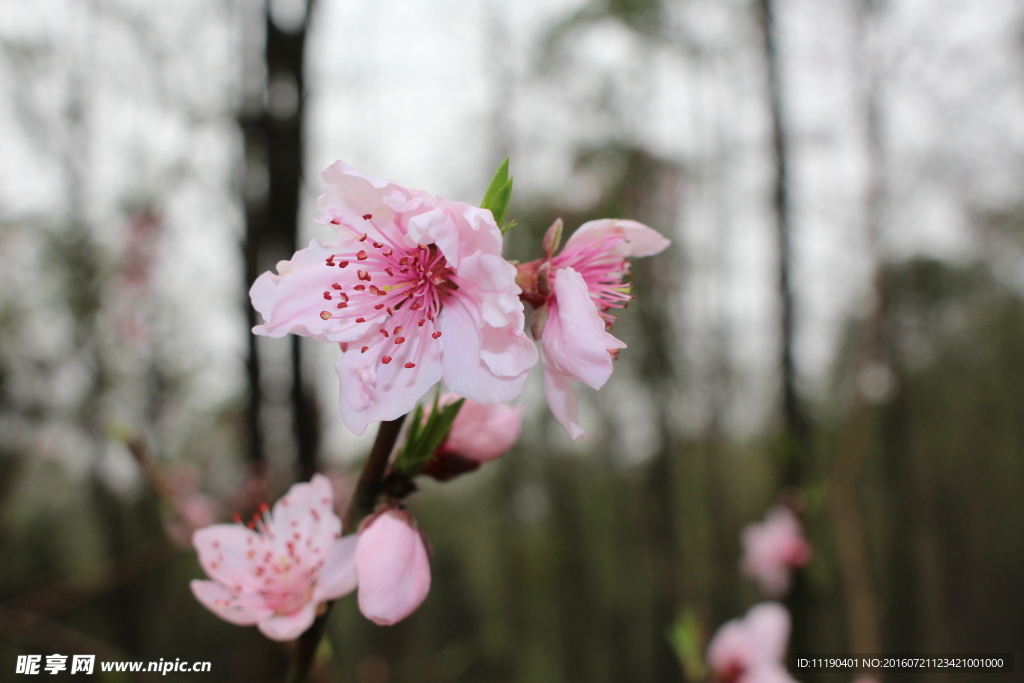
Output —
<point x="251" y="525"/>
<point x="259" y="570"/>
<point x="361" y="255"/>
<point x="360" y="320"/>
<point x="330" y="260"/>
<point x="410" y="365"/>
<point x="343" y="305"/>
<point x="342" y="264"/>
<point x="336" y="286"/>
<point x="422" y="322"/>
<point x="335" y="221"/>
<point x="389" y="272"/>
<point x="378" y="307"/>
<point x="360" y="288"/>
<point x="364" y="349"/>
<point x="430" y="316"/>
<point x="404" y="261"/>
<point x="385" y="360"/>
<point x="325" y="315"/>
<point x="399" y="340"/>
<point x="263" y="507"/>
<point x="397" y="330"/>
<point x="384" y="332"/>
<point x="436" y="335"/>
<point x="363" y="238"/>
<point x="343" y="296"/>
<point x="416" y="306"/>
<point x="367" y="216"/>
<point x="374" y="290"/>
<point x="388" y="252"/>
<point x="327" y="295"/>
<point x="237" y="517"/>
<point x="390" y="312"/>
<point x="377" y="245"/>
<point x="403" y="270"/>
<point x="362" y="275"/>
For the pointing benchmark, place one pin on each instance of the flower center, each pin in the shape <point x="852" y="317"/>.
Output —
<point x="407" y="285"/>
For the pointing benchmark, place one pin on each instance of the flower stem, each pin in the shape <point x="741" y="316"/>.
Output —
<point x="363" y="500"/>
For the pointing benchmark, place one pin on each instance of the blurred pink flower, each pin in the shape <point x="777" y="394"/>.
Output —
<point x="393" y="567"/>
<point x="773" y="549"/>
<point x="414" y="289"/>
<point x="192" y="509"/>
<point x="582" y="287"/>
<point x="276" y="575"/>
<point x="752" y="649"/>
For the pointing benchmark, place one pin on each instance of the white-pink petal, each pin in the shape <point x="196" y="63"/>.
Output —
<point x="466" y="371"/>
<point x="562" y="401"/>
<point x="372" y="391"/>
<point x="288" y="626"/>
<point x="226" y="604"/>
<point x="637" y="239"/>
<point x="338" y="575"/>
<point x="574" y="339"/>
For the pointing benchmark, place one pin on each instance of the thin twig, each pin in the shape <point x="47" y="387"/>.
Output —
<point x="371" y="480"/>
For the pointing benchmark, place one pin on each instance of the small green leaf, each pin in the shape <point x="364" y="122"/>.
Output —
<point x="423" y="439"/>
<point x="687" y="639"/>
<point x="498" y="195"/>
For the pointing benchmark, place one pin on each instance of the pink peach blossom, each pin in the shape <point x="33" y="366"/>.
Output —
<point x="482" y="433"/>
<point x="393" y="567"/>
<point x="773" y="549"/>
<point x="414" y="289"/>
<point x="277" y="575"/>
<point x="752" y="649"/>
<point x="582" y="290"/>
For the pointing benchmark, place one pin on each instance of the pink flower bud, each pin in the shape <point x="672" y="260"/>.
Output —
<point x="483" y="433"/>
<point x="392" y="566"/>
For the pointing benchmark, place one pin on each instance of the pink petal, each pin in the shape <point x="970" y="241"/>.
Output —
<point x="574" y="339"/>
<point x="483" y="433"/>
<point x="223" y="552"/>
<point x="562" y="401"/>
<point x="639" y="240"/>
<point x="308" y="509"/>
<point x="768" y="625"/>
<point x="291" y="301"/>
<point x="436" y="226"/>
<point x="350" y="194"/>
<point x="338" y="575"/>
<point x="226" y="605"/>
<point x="393" y="568"/>
<point x="288" y="626"/>
<point x="372" y="391"/>
<point x="471" y="353"/>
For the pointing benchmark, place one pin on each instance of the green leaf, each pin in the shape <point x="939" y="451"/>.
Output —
<point x="498" y="195"/>
<point x="687" y="639"/>
<point x="423" y="439"/>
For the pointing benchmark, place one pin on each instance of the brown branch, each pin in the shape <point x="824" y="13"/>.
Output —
<point x="371" y="481"/>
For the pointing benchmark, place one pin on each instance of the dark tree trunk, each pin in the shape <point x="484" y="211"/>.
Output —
<point x="795" y="440"/>
<point x="274" y="144"/>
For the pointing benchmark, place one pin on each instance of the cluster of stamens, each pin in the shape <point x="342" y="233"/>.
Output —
<point x="604" y="272"/>
<point x="406" y="284"/>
